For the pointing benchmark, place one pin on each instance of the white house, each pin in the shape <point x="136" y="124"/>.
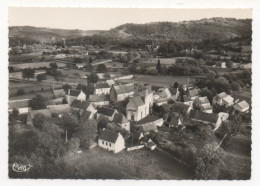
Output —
<point x="20" y="105"/>
<point x="242" y="106"/>
<point x="75" y="95"/>
<point x="102" y="88"/>
<point x="223" y="99"/>
<point x="111" y="141"/>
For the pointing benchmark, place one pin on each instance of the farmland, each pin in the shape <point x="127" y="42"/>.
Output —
<point x="140" y="164"/>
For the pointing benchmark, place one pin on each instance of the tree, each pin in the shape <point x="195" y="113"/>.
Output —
<point x="158" y="66"/>
<point x="196" y="104"/>
<point x="38" y="121"/>
<point x="20" y="92"/>
<point x="66" y="87"/>
<point x="101" y="68"/>
<point x="38" y="102"/>
<point x="70" y="124"/>
<point x="41" y="77"/>
<point x="229" y="64"/>
<point x="28" y="73"/>
<point x="90" y="60"/>
<point x="87" y="133"/>
<point x="102" y="122"/>
<point x="208" y="162"/>
<point x="176" y="85"/>
<point x="93" y="78"/>
<point x="53" y="65"/>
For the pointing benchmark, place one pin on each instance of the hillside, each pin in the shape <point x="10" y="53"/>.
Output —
<point x="221" y="28"/>
<point x="46" y="35"/>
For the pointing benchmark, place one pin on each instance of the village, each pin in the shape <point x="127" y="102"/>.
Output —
<point x="97" y="108"/>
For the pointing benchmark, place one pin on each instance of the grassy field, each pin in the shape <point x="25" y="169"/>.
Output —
<point x="245" y="94"/>
<point x="28" y="87"/>
<point x="140" y="164"/>
<point x="237" y="161"/>
<point x="35" y="65"/>
<point x="162" y="80"/>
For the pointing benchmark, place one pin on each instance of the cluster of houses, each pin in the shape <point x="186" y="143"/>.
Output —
<point x="138" y="120"/>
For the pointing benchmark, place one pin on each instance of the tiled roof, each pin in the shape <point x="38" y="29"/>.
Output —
<point x="108" y="135"/>
<point x="60" y="109"/>
<point x="137" y="101"/>
<point x="59" y="93"/>
<point x="186" y="98"/>
<point x="80" y="104"/>
<point x="243" y="104"/>
<point x="106" y="111"/>
<point x="74" y="93"/>
<point x="18" y="104"/>
<point x="212" y="118"/>
<point x="147" y="119"/>
<point x="193" y="92"/>
<point x="165" y="93"/>
<point x="44" y="112"/>
<point x="149" y="127"/>
<point x="122" y="89"/>
<point x="119" y="118"/>
<point x="86" y="114"/>
<point x="101" y="85"/>
<point x="228" y="99"/>
<point x="203" y="100"/>
<point x="98" y="98"/>
<point x="222" y="95"/>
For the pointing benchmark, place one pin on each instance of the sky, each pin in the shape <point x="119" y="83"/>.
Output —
<point x="107" y="18"/>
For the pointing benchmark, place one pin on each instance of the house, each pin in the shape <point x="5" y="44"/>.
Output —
<point x="32" y="113"/>
<point x="59" y="93"/>
<point x="224" y="116"/>
<point x="205" y="105"/>
<point x="121" y="92"/>
<point x="121" y="121"/>
<point x="228" y="101"/>
<point x="59" y="109"/>
<point x="139" y="106"/>
<point x="150" y="145"/>
<point x="175" y="93"/>
<point x="110" y="82"/>
<point x="187" y="100"/>
<point x="111" y="141"/>
<point x="75" y="95"/>
<point x="165" y="93"/>
<point x="242" y="106"/>
<point x="223" y="65"/>
<point x="219" y="99"/>
<point x="175" y="120"/>
<point x="193" y="93"/>
<point x="102" y="88"/>
<point x="206" y="118"/>
<point x="20" y="105"/>
<point x="81" y="106"/>
<point x="99" y="100"/>
<point x="106" y="112"/>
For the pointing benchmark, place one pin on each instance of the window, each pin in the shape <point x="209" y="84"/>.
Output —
<point x="109" y="144"/>
<point x="103" y="142"/>
<point x="141" y="114"/>
<point x="106" y="143"/>
<point x="132" y="117"/>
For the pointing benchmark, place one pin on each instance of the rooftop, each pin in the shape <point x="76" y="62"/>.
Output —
<point x="243" y="104"/>
<point x="59" y="93"/>
<point x="193" y="92"/>
<point x="98" y="98"/>
<point x="119" y="118"/>
<point x="44" y="112"/>
<point x="74" y="93"/>
<point x="137" y="101"/>
<point x="80" y="104"/>
<point x="106" y="111"/>
<point x="59" y="109"/>
<point x="222" y="95"/>
<point x="18" y="104"/>
<point x="102" y="85"/>
<point x="108" y="135"/>
<point x="212" y="118"/>
<point x="122" y="89"/>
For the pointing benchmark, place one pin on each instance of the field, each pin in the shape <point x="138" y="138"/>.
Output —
<point x="35" y="65"/>
<point x="29" y="88"/>
<point x="162" y="80"/>
<point x="139" y="164"/>
<point x="237" y="161"/>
